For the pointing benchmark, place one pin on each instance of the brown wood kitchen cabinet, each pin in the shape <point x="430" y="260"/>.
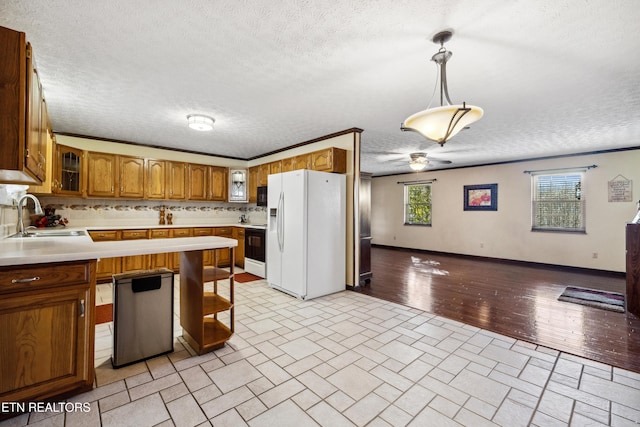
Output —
<point x="112" y="175"/>
<point x="223" y="254"/>
<point x="179" y="232"/>
<point x="134" y="262"/>
<point x="162" y="260"/>
<point x="156" y="179"/>
<point x="218" y="179"/>
<point x="23" y="126"/>
<point x="238" y="234"/>
<point x="329" y="160"/>
<point x="46" y="330"/>
<point x="198" y="182"/>
<point x="263" y="174"/>
<point x="68" y="170"/>
<point x="131" y="175"/>
<point x="253" y="184"/>
<point x="176" y="180"/>
<point x="102" y="176"/>
<point x="106" y="267"/>
<point x="303" y="161"/>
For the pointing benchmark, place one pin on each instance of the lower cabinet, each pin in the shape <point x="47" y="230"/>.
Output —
<point x="46" y="330"/>
<point x="107" y="267"/>
<point x="223" y="254"/>
<point x="238" y="234"/>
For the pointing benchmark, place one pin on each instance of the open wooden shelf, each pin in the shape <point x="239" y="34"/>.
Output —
<point x="199" y="309"/>
<point x="211" y="274"/>
<point x="214" y="303"/>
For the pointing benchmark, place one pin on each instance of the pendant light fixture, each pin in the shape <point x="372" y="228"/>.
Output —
<point x="200" y="122"/>
<point x="442" y="123"/>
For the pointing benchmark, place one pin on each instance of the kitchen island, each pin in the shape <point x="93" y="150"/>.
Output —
<point x="47" y="307"/>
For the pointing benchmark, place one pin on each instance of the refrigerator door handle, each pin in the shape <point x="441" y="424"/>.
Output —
<point x="280" y="221"/>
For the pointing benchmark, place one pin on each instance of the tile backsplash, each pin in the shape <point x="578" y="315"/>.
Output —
<point x="117" y="212"/>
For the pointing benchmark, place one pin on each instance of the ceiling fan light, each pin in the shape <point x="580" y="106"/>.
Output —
<point x="442" y="123"/>
<point x="200" y="122"/>
<point x="417" y="165"/>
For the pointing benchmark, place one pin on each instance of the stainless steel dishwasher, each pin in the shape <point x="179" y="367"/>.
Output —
<point x="142" y="315"/>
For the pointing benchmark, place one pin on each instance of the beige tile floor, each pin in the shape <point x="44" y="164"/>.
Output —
<point x="349" y="359"/>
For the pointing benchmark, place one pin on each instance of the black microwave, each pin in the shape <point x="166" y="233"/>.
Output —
<point x="262" y="196"/>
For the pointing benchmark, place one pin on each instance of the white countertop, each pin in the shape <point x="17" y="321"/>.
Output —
<point x="38" y="250"/>
<point x="143" y="226"/>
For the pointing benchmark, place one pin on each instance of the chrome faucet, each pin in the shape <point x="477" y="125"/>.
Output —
<point x="20" y="225"/>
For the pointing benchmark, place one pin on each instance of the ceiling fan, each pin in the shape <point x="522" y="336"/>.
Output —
<point x="420" y="161"/>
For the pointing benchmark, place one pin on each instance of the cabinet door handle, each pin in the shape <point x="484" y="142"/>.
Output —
<point x="81" y="308"/>
<point x="27" y="280"/>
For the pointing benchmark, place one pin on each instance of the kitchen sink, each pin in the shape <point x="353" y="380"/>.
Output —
<point x="50" y="233"/>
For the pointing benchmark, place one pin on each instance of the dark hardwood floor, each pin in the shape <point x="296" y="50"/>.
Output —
<point x="514" y="299"/>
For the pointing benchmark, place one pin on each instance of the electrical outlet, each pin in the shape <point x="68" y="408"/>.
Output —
<point x="595" y="255"/>
<point x="481" y="245"/>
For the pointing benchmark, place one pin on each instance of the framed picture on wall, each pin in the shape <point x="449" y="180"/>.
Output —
<point x="481" y="197"/>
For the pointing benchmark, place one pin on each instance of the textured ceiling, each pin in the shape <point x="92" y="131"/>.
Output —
<point x="553" y="76"/>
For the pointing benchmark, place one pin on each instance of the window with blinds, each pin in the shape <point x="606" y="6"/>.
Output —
<point x="417" y="204"/>
<point x="558" y="202"/>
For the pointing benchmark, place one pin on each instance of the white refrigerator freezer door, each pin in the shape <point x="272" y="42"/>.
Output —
<point x="274" y="256"/>
<point x="294" y="236"/>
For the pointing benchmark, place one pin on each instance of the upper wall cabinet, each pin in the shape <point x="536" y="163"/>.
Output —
<point x="176" y="180"/>
<point x="68" y="170"/>
<point x="132" y="177"/>
<point x="218" y="183"/>
<point x="156" y="179"/>
<point x="103" y="173"/>
<point x="253" y="184"/>
<point x="329" y="160"/>
<point x="198" y="182"/>
<point x="24" y="123"/>
<point x="238" y="191"/>
<point x="115" y="176"/>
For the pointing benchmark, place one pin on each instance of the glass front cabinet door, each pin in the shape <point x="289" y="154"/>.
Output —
<point x="69" y="170"/>
<point x="238" y="190"/>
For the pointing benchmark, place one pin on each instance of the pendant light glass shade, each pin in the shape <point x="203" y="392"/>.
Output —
<point x="442" y="123"/>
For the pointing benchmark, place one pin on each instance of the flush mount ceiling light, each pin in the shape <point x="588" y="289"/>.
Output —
<point x="442" y="123"/>
<point x="418" y="161"/>
<point x="200" y="122"/>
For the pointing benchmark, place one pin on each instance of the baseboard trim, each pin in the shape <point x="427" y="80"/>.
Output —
<point x="605" y="273"/>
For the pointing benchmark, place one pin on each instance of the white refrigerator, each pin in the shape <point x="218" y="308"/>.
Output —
<point x="306" y="229"/>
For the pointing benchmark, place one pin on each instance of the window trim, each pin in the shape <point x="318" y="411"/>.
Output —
<point x="406" y="204"/>
<point x="583" y="206"/>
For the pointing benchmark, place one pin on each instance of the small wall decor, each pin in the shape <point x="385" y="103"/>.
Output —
<point x="620" y="189"/>
<point x="481" y="197"/>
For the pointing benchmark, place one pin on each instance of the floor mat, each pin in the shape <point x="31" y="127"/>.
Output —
<point x="594" y="298"/>
<point x="245" y="277"/>
<point x="104" y="313"/>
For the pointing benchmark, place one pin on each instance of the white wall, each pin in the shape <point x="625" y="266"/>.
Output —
<point x="506" y="233"/>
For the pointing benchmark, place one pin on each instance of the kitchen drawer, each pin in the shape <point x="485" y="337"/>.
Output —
<point x="133" y="234"/>
<point x="203" y="231"/>
<point x="104" y="235"/>
<point x="224" y="231"/>
<point x="159" y="233"/>
<point x="181" y="232"/>
<point x="28" y="278"/>
<point x="239" y="231"/>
